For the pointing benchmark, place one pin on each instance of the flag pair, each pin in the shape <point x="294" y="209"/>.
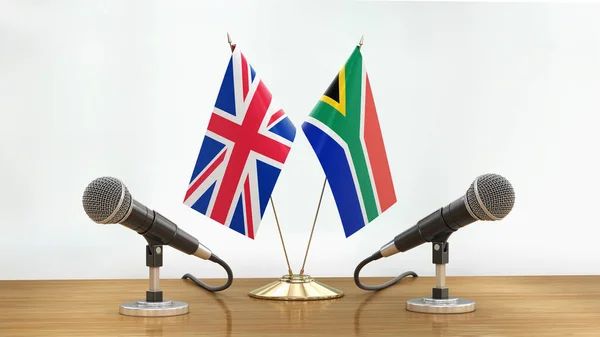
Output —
<point x="249" y="138"/>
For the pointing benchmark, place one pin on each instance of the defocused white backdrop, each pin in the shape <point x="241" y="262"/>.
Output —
<point x="125" y="88"/>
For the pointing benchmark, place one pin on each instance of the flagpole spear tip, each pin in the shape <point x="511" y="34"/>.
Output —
<point x="231" y="45"/>
<point x="362" y="39"/>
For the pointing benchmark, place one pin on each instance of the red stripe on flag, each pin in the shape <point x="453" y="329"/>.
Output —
<point x="205" y="175"/>
<point x="248" y="208"/>
<point x="245" y="83"/>
<point x="275" y="117"/>
<point x="246" y="140"/>
<point x="224" y="127"/>
<point x="270" y="148"/>
<point x="258" y="143"/>
<point x="377" y="156"/>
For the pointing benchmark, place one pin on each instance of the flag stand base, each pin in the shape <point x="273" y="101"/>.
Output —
<point x="296" y="288"/>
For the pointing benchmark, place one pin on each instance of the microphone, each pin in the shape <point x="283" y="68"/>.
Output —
<point x="489" y="198"/>
<point x="106" y="200"/>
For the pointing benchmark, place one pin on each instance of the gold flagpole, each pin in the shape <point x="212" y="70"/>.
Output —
<point x="231" y="45"/>
<point x="281" y="236"/>
<point x="299" y="287"/>
<point x="313" y="226"/>
<point x="287" y="260"/>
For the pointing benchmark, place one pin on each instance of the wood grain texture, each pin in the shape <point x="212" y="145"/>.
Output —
<point x="506" y="306"/>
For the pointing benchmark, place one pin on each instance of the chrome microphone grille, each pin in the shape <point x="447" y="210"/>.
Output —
<point x="491" y="197"/>
<point x="106" y="200"/>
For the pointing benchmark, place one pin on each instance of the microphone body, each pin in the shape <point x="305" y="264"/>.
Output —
<point x="489" y="198"/>
<point x="107" y="200"/>
<point x="438" y="225"/>
<point x="154" y="226"/>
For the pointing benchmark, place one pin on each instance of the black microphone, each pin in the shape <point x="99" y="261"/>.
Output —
<point x="489" y="198"/>
<point x="107" y="200"/>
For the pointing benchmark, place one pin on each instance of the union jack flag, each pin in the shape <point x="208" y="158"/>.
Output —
<point x="244" y="149"/>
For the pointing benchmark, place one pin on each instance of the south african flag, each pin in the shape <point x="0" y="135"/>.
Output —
<point x="343" y="130"/>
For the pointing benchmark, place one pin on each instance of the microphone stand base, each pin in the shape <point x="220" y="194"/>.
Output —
<point x="296" y="288"/>
<point x="451" y="305"/>
<point x="143" y="308"/>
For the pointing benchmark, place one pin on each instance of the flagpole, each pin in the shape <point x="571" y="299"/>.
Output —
<point x="231" y="45"/>
<point x="313" y="226"/>
<point x="360" y="43"/>
<point x="281" y="237"/>
<point x="287" y="260"/>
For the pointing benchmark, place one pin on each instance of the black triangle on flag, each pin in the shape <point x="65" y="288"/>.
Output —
<point x="333" y="91"/>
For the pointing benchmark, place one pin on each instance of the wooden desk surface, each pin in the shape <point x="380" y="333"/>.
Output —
<point x="506" y="306"/>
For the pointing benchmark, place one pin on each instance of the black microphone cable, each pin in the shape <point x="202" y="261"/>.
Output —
<point x="393" y="281"/>
<point x="201" y="284"/>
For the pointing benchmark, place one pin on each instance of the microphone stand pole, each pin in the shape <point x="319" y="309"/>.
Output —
<point x="154" y="305"/>
<point x="440" y="302"/>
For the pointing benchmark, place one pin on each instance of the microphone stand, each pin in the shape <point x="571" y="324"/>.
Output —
<point x="440" y="302"/>
<point x="154" y="305"/>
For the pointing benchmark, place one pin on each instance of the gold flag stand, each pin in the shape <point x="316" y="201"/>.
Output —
<point x="296" y="287"/>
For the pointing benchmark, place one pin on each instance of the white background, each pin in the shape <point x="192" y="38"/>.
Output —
<point x="125" y="88"/>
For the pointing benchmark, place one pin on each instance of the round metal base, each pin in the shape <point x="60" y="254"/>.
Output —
<point x="430" y="305"/>
<point x="154" y="309"/>
<point x="296" y="288"/>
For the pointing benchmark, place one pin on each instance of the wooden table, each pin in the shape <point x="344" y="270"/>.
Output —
<point x="506" y="306"/>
